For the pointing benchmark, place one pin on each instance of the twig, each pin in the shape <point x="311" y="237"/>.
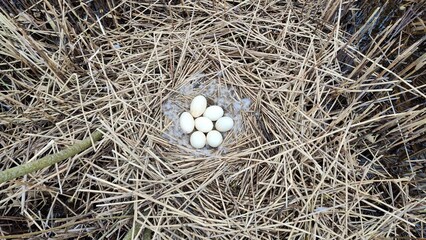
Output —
<point x="49" y="160"/>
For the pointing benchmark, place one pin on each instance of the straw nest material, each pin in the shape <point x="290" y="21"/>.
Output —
<point x="330" y="140"/>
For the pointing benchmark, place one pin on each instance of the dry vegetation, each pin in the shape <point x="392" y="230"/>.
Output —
<point x="333" y="144"/>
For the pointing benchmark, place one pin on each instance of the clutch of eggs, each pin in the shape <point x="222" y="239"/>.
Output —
<point x="208" y="123"/>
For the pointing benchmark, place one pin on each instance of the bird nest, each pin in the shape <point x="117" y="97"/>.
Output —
<point x="328" y="139"/>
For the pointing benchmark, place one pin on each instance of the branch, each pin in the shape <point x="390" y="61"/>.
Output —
<point x="49" y="160"/>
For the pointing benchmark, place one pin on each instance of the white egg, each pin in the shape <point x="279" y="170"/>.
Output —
<point x="198" y="139"/>
<point x="213" y="113"/>
<point x="203" y="124"/>
<point x="214" y="138"/>
<point x="187" y="122"/>
<point x="224" y="124"/>
<point x="198" y="106"/>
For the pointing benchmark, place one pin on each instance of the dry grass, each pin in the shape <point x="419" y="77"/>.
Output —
<point x="333" y="144"/>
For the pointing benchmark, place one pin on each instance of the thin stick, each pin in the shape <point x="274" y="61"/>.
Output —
<point x="49" y="160"/>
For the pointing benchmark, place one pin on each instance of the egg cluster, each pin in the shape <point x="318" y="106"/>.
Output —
<point x="201" y="118"/>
